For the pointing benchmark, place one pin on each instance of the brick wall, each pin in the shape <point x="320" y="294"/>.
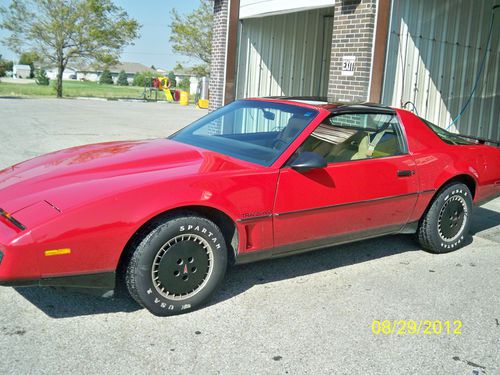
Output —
<point x="353" y="28"/>
<point x="217" y="81"/>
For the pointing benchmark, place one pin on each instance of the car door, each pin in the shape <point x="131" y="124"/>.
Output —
<point x="368" y="187"/>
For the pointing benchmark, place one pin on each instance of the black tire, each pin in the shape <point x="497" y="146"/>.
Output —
<point x="177" y="266"/>
<point x="445" y="225"/>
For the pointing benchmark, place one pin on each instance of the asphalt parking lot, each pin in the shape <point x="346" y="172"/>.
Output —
<point x="307" y="314"/>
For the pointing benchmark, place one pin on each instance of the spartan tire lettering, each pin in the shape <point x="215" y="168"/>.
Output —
<point x="178" y="265"/>
<point x="445" y="225"/>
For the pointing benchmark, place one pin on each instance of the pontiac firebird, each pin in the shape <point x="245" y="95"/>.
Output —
<point x="256" y="179"/>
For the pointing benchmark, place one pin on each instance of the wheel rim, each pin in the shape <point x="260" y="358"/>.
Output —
<point x="182" y="267"/>
<point x="452" y="218"/>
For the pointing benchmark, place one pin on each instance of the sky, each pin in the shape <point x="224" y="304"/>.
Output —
<point x="152" y="47"/>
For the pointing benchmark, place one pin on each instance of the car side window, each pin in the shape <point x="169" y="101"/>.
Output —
<point x="356" y="136"/>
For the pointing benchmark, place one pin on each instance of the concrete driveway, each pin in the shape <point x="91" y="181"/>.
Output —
<point x="308" y="314"/>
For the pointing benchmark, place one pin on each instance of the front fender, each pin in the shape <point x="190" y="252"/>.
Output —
<point x="97" y="230"/>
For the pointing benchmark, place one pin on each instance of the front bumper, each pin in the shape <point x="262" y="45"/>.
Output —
<point x="18" y="259"/>
<point x="103" y="280"/>
<point x="19" y="266"/>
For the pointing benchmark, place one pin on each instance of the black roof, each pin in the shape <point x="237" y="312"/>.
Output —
<point x="311" y="98"/>
<point x="362" y="107"/>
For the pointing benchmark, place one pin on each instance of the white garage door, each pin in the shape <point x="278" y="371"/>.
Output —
<point x="285" y="55"/>
<point x="435" y="54"/>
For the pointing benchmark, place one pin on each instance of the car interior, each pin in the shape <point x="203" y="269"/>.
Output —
<point x="337" y="142"/>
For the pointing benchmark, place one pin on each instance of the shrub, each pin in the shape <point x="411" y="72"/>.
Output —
<point x="171" y="78"/>
<point x="41" y="77"/>
<point x="138" y="80"/>
<point x="122" y="79"/>
<point x="143" y="78"/>
<point x="184" y="84"/>
<point x="29" y="58"/>
<point x="106" y="78"/>
<point x="5" y="66"/>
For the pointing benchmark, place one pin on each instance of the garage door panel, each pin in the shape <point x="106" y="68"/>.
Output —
<point x="285" y="55"/>
<point x="433" y="58"/>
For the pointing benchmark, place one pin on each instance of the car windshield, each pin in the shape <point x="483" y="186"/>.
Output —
<point x="251" y="130"/>
<point x="446" y="136"/>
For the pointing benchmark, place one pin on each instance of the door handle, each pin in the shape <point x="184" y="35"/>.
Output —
<point x="405" y="173"/>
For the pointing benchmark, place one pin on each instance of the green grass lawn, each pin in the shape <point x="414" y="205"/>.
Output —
<point x="74" y="89"/>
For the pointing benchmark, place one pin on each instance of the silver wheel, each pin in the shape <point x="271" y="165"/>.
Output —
<point x="182" y="267"/>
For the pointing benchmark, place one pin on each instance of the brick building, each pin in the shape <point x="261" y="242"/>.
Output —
<point x="438" y="55"/>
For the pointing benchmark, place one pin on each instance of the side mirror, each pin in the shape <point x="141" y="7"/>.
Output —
<point x="307" y="161"/>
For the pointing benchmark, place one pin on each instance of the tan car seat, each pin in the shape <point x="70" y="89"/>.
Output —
<point x="349" y="148"/>
<point x="292" y="128"/>
<point x="363" y="148"/>
<point x="375" y="148"/>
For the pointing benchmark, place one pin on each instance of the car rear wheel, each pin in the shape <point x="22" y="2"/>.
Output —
<point x="445" y="225"/>
<point x="177" y="265"/>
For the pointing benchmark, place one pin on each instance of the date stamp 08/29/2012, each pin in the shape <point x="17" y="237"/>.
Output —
<point x="417" y="327"/>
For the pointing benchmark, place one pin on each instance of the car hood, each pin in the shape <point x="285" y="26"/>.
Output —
<point x="48" y="177"/>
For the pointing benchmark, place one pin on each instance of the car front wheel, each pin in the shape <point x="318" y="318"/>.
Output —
<point x="445" y="225"/>
<point x="177" y="265"/>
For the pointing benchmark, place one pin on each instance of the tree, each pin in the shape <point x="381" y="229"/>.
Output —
<point x="29" y="58"/>
<point x="171" y="78"/>
<point x="105" y="77"/>
<point x="68" y="30"/>
<point x="184" y="84"/>
<point x="5" y="66"/>
<point x="41" y="77"/>
<point x="122" y="79"/>
<point x="191" y="34"/>
<point x="200" y="70"/>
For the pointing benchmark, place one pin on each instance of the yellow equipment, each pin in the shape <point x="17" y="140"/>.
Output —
<point x="184" y="100"/>
<point x="164" y="85"/>
<point x="203" y="103"/>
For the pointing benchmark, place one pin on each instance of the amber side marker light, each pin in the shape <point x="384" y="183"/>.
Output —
<point x="6" y="215"/>
<point x="49" y="253"/>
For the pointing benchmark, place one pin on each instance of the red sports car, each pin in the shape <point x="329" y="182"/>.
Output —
<point x="255" y="179"/>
